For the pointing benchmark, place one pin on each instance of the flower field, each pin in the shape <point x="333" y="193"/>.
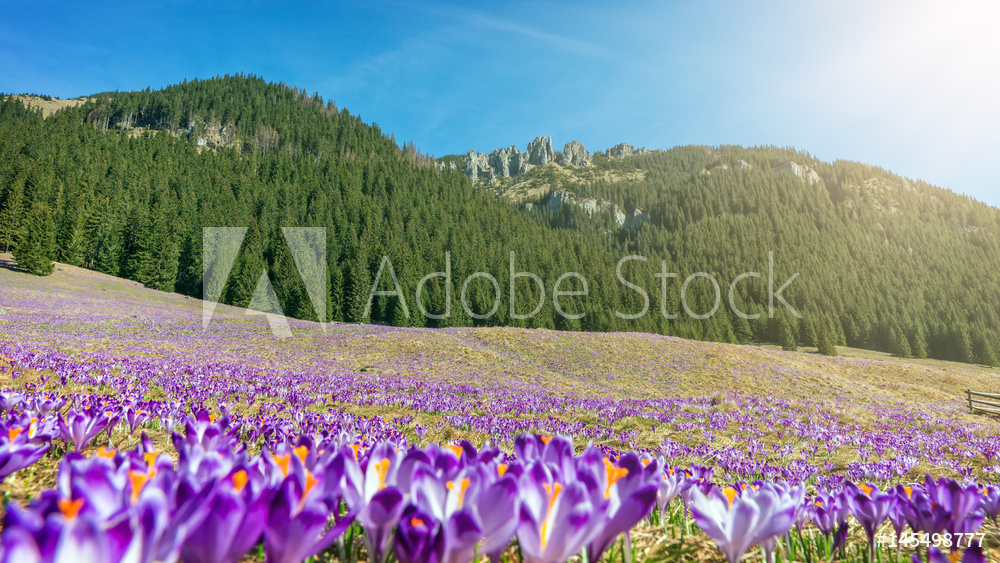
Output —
<point x="129" y="434"/>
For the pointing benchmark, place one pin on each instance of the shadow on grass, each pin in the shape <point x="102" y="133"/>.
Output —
<point x="7" y="263"/>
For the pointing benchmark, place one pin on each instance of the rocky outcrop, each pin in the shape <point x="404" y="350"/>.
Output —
<point x="478" y="167"/>
<point x="623" y="150"/>
<point x="574" y="153"/>
<point x="540" y="151"/>
<point x="559" y="198"/>
<point x="475" y="163"/>
<point x="742" y="165"/>
<point x="518" y="162"/>
<point x="511" y="162"/>
<point x="508" y="162"/>
<point x="804" y="173"/>
<point x="500" y="162"/>
<point x="618" y="215"/>
<point x="593" y="207"/>
<point x="636" y="218"/>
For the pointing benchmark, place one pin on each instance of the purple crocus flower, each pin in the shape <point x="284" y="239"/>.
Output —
<point x="736" y="522"/>
<point x="419" y="538"/>
<point x="296" y="524"/>
<point x="628" y="498"/>
<point x="870" y="507"/>
<point x="238" y="514"/>
<point x="16" y="452"/>
<point x="991" y="502"/>
<point x="973" y="554"/>
<point x="555" y="517"/>
<point x="672" y="481"/>
<point x="81" y="428"/>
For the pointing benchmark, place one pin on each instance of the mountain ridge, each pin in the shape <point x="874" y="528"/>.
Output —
<point x="887" y="263"/>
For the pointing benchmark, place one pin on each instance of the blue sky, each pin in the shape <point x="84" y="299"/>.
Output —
<point x="912" y="86"/>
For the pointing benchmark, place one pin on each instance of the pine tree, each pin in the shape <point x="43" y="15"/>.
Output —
<point x="899" y="344"/>
<point x="826" y="341"/>
<point x="985" y="350"/>
<point x="787" y="337"/>
<point x="918" y="344"/>
<point x="360" y="288"/>
<point x="36" y="241"/>
<point x="10" y="216"/>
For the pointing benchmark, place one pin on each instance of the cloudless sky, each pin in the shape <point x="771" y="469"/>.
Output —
<point x="909" y="85"/>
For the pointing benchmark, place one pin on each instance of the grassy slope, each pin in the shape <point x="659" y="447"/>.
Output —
<point x="77" y="309"/>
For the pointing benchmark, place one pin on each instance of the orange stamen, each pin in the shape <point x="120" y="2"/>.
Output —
<point x="546" y="439"/>
<point x="310" y="483"/>
<point x="552" y="491"/>
<point x="501" y="469"/>
<point x="70" y="508"/>
<point x="463" y="486"/>
<point x="13" y="433"/>
<point x="150" y="458"/>
<point x="417" y="521"/>
<point x="240" y="480"/>
<point x="455" y="449"/>
<point x="355" y="447"/>
<point x="868" y="490"/>
<point x="730" y="494"/>
<point x="382" y="468"/>
<point x="105" y="452"/>
<point x="139" y="480"/>
<point x="283" y="461"/>
<point x="614" y="474"/>
<point x="301" y="452"/>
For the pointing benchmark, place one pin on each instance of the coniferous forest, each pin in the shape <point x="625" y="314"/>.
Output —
<point x="123" y="185"/>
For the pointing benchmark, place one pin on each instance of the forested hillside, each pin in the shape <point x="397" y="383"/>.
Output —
<point x="125" y="182"/>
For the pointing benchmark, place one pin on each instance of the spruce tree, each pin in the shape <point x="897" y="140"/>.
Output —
<point x="826" y="340"/>
<point x="36" y="241"/>
<point x="10" y="216"/>
<point x="787" y="337"/>
<point x="899" y="344"/>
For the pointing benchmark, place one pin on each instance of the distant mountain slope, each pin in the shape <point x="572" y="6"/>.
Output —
<point x="130" y="179"/>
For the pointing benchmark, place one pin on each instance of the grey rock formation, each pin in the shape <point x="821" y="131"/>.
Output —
<point x="622" y="150"/>
<point x="574" y="153"/>
<point x="592" y="206"/>
<point x="742" y="165"/>
<point x="805" y="173"/>
<point x="618" y="215"/>
<point x="500" y="162"/>
<point x="508" y="162"/>
<point x="478" y="164"/>
<point x="540" y="151"/>
<point x="637" y="218"/>
<point x="518" y="163"/>
<point x="558" y="198"/>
